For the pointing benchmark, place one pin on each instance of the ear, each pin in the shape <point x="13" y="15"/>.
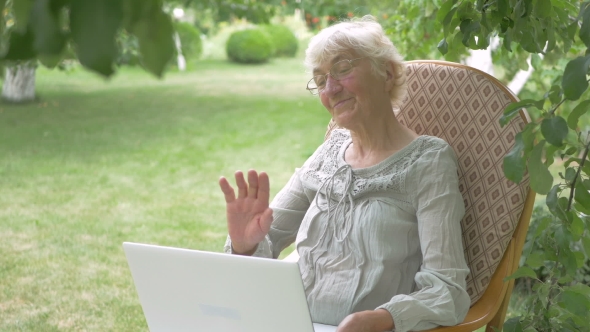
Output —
<point x="390" y="76"/>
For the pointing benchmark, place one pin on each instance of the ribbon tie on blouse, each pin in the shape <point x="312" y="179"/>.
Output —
<point x="338" y="211"/>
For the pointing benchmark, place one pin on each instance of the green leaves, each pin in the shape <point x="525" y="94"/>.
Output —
<point x="469" y="28"/>
<point x="153" y="28"/>
<point x="49" y="37"/>
<point x="581" y="109"/>
<point x="443" y="47"/>
<point x="94" y="24"/>
<point x="543" y="8"/>
<point x="445" y="9"/>
<point x="574" y="81"/>
<point x="513" y="325"/>
<point x="585" y="28"/>
<point x="22" y="12"/>
<point x="581" y="194"/>
<point x="586" y="245"/>
<point x="535" y="260"/>
<point x="541" y="178"/>
<point x="554" y="130"/>
<point x="523" y="271"/>
<point x="42" y="31"/>
<point x="576" y="303"/>
<point x="155" y="42"/>
<point x="514" y="163"/>
<point x="514" y="108"/>
<point x="20" y="46"/>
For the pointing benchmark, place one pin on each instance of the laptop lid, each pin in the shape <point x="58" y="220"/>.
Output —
<point x="190" y="290"/>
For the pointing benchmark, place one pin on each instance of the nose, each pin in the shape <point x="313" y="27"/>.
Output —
<point x="332" y="85"/>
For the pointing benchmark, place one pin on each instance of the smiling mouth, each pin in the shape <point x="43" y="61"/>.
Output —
<point x="341" y="102"/>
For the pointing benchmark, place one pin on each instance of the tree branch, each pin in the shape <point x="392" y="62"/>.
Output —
<point x="573" y="185"/>
<point x="557" y="106"/>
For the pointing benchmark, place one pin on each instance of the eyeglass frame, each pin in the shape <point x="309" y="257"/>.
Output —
<point x="329" y="73"/>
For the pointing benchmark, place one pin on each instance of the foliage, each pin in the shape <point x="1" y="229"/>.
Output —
<point x="105" y="33"/>
<point x="43" y="29"/>
<point x="249" y="46"/>
<point x="255" y="11"/>
<point x="190" y="40"/>
<point x="321" y="13"/>
<point x="128" y="47"/>
<point x="560" y="31"/>
<point x="283" y="39"/>
<point x="534" y="250"/>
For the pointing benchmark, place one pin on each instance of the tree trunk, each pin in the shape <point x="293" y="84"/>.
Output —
<point x="19" y="83"/>
<point x="482" y="60"/>
<point x="179" y="57"/>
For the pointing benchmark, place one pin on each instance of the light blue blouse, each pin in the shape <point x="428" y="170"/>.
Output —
<point x="386" y="236"/>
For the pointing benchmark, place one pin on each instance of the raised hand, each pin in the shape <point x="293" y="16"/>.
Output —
<point x="248" y="215"/>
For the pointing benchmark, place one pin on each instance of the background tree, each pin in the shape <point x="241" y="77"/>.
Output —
<point x="43" y="29"/>
<point x="101" y="33"/>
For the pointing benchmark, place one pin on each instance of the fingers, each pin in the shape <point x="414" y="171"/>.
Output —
<point x="263" y="187"/>
<point x="258" y="186"/>
<point x="242" y="186"/>
<point x="252" y="184"/>
<point x="227" y="190"/>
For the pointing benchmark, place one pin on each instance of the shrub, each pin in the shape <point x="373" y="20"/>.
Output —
<point x="283" y="39"/>
<point x="190" y="40"/>
<point x="249" y="46"/>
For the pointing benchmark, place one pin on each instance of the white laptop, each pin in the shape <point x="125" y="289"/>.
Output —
<point x="190" y="290"/>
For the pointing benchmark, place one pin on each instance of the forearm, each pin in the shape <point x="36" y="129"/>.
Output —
<point x="382" y="320"/>
<point x="378" y="320"/>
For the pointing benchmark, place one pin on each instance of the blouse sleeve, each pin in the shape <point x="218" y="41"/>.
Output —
<point x="440" y="297"/>
<point x="288" y="209"/>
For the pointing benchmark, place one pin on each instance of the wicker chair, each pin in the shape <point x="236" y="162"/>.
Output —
<point x="462" y="105"/>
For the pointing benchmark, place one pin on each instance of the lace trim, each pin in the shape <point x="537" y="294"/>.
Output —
<point x="388" y="175"/>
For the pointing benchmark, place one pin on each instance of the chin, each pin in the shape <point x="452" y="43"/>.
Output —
<point x="344" y="119"/>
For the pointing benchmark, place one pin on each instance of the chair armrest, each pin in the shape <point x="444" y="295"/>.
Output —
<point x="486" y="308"/>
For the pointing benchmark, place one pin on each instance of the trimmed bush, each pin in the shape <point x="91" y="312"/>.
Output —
<point x="249" y="46"/>
<point x="283" y="39"/>
<point x="190" y="40"/>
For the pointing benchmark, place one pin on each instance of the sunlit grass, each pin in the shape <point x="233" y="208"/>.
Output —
<point x="96" y="163"/>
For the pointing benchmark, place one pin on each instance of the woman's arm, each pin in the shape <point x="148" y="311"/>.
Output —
<point x="287" y="211"/>
<point x="440" y="297"/>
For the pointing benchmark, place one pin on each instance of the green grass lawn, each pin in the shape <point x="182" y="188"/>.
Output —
<point x="95" y="163"/>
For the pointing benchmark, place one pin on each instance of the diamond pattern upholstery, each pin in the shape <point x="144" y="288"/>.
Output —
<point x="462" y="106"/>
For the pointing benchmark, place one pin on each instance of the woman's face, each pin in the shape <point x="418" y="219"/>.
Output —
<point x="353" y="98"/>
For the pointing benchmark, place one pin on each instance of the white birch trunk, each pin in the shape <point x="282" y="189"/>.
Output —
<point x="180" y="58"/>
<point x="482" y="60"/>
<point x="519" y="80"/>
<point x="19" y="83"/>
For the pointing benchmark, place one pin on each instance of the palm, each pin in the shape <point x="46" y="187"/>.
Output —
<point x="248" y="214"/>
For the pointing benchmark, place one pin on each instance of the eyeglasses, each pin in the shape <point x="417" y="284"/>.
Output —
<point x="338" y="71"/>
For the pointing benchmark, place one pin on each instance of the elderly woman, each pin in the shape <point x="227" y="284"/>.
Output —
<point x="375" y="212"/>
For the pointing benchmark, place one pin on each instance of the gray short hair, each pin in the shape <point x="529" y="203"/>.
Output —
<point x="365" y="37"/>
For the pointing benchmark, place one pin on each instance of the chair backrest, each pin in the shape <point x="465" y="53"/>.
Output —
<point x="462" y="105"/>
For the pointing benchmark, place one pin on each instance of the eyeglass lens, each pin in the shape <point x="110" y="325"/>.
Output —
<point x="337" y="72"/>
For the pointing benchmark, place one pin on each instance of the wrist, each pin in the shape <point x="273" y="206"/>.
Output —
<point x="243" y="252"/>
